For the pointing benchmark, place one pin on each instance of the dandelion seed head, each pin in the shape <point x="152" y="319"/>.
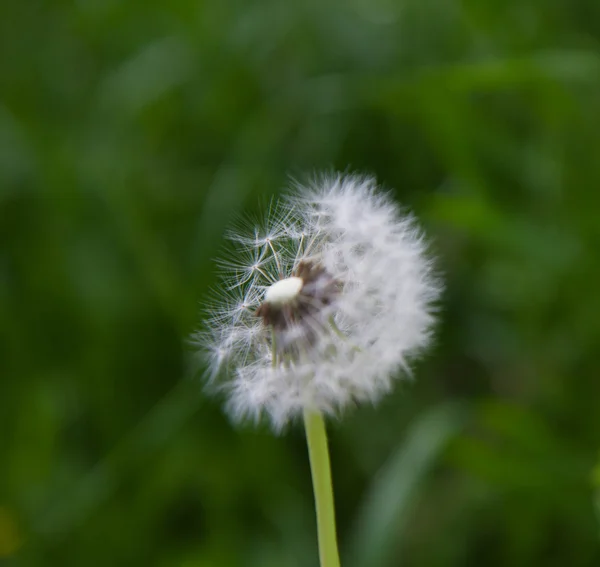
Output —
<point x="322" y="305"/>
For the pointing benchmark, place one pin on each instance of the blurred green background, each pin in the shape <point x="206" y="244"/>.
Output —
<point x="132" y="132"/>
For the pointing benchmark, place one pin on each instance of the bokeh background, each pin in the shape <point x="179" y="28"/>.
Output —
<point x="131" y="133"/>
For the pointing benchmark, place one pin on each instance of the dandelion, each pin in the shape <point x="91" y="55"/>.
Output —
<point x="323" y="306"/>
<point x="320" y="308"/>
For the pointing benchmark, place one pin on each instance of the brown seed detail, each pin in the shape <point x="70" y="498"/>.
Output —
<point x="319" y="290"/>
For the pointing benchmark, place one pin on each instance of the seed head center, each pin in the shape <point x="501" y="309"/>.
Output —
<point x="299" y="300"/>
<point x="284" y="292"/>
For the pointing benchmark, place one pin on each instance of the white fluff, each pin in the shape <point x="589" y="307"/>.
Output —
<point x="348" y="351"/>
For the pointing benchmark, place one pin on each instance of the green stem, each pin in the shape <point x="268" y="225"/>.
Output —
<point x="316" y="438"/>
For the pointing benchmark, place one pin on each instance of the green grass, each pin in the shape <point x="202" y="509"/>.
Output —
<point x="130" y="136"/>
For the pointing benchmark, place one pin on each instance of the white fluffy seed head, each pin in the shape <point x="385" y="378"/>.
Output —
<point x="323" y="305"/>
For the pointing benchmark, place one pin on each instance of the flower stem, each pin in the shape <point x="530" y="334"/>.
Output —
<point x="316" y="438"/>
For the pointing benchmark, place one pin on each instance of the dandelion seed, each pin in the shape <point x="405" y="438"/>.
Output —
<point x="322" y="306"/>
